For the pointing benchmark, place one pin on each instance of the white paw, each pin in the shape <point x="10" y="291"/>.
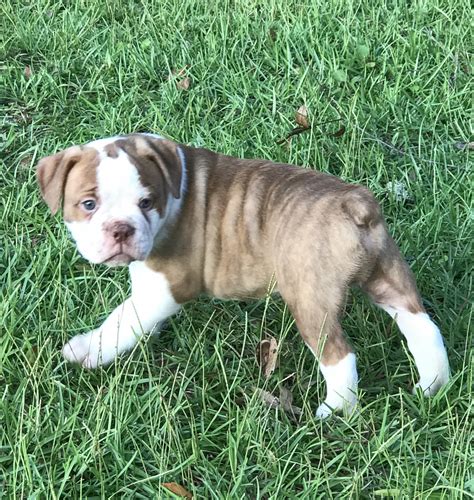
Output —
<point x="84" y="349"/>
<point x="431" y="385"/>
<point x="341" y="387"/>
<point x="346" y="405"/>
<point x="427" y="347"/>
<point x="323" y="411"/>
<point x="435" y="374"/>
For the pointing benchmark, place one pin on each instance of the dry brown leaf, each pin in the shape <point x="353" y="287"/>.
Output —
<point x="26" y="162"/>
<point x="182" y="80"/>
<point x="177" y="489"/>
<point x="179" y="72"/>
<point x="286" y="397"/>
<point x="283" y="402"/>
<point x="286" y="402"/>
<point x="184" y="83"/>
<point x="268" y="398"/>
<point x="267" y="353"/>
<point x="35" y="240"/>
<point x="27" y="72"/>
<point x="301" y="117"/>
<point x="340" y="132"/>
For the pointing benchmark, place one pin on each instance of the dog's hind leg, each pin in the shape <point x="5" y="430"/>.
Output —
<point x="392" y="287"/>
<point x="316" y="311"/>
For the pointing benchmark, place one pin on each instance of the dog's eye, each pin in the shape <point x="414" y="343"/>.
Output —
<point x="144" y="204"/>
<point x="88" y="205"/>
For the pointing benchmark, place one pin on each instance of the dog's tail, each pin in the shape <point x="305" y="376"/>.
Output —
<point x="360" y="205"/>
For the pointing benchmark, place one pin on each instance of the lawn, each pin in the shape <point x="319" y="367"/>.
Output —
<point x="388" y="89"/>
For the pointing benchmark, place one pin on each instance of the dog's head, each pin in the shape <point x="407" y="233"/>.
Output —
<point x="116" y="193"/>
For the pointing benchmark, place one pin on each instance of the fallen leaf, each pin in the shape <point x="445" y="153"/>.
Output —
<point x="286" y="397"/>
<point x="267" y="351"/>
<point x="464" y="146"/>
<point x="177" y="489"/>
<point x="35" y="240"/>
<point x="301" y="117"/>
<point x="287" y="140"/>
<point x="268" y="398"/>
<point x="306" y="386"/>
<point x="284" y="401"/>
<point x="27" y="72"/>
<point x="184" y="83"/>
<point x="182" y="80"/>
<point x="340" y="132"/>
<point x="26" y="162"/>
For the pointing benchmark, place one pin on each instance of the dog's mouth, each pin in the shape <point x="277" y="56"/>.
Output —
<point x="118" y="259"/>
<point x="123" y="254"/>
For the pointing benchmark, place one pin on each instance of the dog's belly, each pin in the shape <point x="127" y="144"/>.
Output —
<point x="233" y="279"/>
<point x="240" y="291"/>
<point x="239" y="274"/>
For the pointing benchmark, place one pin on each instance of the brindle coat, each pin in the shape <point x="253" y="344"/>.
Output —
<point x="248" y="226"/>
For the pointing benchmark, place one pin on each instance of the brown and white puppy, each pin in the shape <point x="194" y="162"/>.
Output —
<point x="188" y="221"/>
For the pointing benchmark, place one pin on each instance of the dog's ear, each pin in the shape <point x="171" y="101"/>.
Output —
<point x="52" y="172"/>
<point x="169" y="159"/>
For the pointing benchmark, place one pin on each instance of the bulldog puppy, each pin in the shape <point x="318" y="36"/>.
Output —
<point x="188" y="221"/>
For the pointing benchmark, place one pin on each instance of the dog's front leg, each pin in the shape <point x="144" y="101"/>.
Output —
<point x="151" y="303"/>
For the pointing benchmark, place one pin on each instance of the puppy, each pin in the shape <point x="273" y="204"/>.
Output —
<point x="188" y="221"/>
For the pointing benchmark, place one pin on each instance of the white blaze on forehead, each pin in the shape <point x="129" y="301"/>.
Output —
<point x="100" y="144"/>
<point x="118" y="183"/>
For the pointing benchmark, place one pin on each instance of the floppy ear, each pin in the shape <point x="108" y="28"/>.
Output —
<point x="166" y="156"/>
<point x="52" y="172"/>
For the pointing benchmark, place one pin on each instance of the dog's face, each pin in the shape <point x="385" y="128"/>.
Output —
<point x="116" y="194"/>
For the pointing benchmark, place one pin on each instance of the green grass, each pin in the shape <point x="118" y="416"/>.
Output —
<point x="182" y="407"/>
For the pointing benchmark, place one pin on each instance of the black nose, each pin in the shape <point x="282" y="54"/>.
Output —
<point x="121" y="231"/>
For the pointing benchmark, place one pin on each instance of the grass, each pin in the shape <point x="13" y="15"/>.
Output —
<point x="182" y="408"/>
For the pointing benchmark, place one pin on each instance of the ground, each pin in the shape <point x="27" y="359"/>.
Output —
<point x="388" y="90"/>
